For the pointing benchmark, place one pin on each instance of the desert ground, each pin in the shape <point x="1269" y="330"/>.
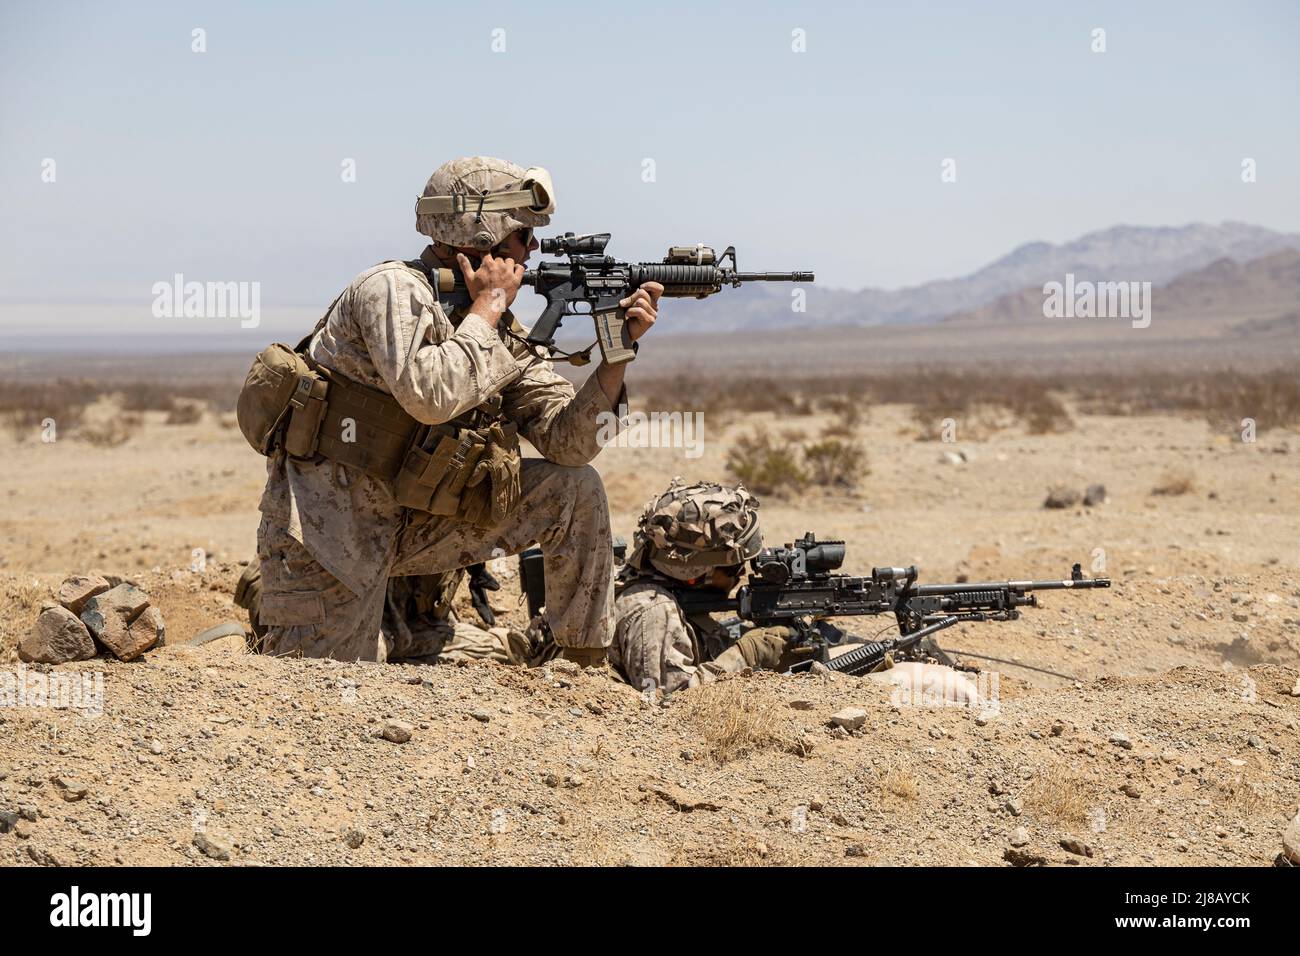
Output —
<point x="1157" y="722"/>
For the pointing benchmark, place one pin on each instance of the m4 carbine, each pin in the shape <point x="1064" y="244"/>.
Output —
<point x="797" y="586"/>
<point x="600" y="282"/>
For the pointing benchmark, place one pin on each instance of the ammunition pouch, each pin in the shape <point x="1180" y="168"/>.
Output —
<point x="469" y="473"/>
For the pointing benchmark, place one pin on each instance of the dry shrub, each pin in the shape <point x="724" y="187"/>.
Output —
<point x="766" y="466"/>
<point x="184" y="411"/>
<point x="1270" y="397"/>
<point x="26" y="405"/>
<point x="897" y="779"/>
<point x="837" y="430"/>
<point x="1047" y="416"/>
<point x="734" y="719"/>
<point x="26" y="597"/>
<point x="982" y="404"/>
<point x="1238" y="795"/>
<point x="849" y="408"/>
<point x="1061" y="797"/>
<point x="836" y="464"/>
<point x="111" y="431"/>
<point x="1175" y="481"/>
<point x="167" y="396"/>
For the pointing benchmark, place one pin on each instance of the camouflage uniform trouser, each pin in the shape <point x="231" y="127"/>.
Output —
<point x="562" y="509"/>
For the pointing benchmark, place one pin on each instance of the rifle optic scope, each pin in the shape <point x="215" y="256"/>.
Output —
<point x="572" y="245"/>
<point x="806" y="557"/>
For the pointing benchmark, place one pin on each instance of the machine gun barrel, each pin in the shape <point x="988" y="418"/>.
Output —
<point x="1016" y="586"/>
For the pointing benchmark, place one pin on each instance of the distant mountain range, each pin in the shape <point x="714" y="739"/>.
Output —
<point x="1141" y="253"/>
<point x="1257" y="297"/>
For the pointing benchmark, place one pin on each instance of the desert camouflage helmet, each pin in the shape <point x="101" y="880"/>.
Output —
<point x="477" y="201"/>
<point x="690" y="529"/>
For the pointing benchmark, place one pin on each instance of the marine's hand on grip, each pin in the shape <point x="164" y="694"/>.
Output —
<point x="641" y="308"/>
<point x="621" y="322"/>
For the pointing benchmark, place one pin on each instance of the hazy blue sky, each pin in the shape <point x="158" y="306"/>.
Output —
<point x="225" y="165"/>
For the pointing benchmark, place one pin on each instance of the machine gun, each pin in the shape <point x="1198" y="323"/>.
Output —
<point x="600" y="282"/>
<point x="797" y="586"/>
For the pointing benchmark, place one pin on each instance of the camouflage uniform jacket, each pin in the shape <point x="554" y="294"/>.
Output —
<point x="389" y="331"/>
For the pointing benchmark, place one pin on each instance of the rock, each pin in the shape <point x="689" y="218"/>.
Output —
<point x="482" y="716"/>
<point x="42" y="857"/>
<point x="953" y="458"/>
<point x="58" y="636"/>
<point x="212" y="845"/>
<point x="397" y="731"/>
<point x="124" y="601"/>
<point x="109" y="616"/>
<point x="70" y="789"/>
<point x="808" y="705"/>
<point x="1058" y="728"/>
<point x="563" y="666"/>
<point x="125" y="642"/>
<point x="856" y="850"/>
<point x="1077" y="847"/>
<point x="75" y="591"/>
<point x="1295" y="691"/>
<point x="1013" y="806"/>
<point x="1291" y="841"/>
<point x="1131" y="790"/>
<point x="354" y="838"/>
<point x="1061" y="496"/>
<point x="1023" y="858"/>
<point x="850" y="718"/>
<point x="147" y="629"/>
<point x="1095" y="495"/>
<point x="8" y="820"/>
<point x="1019" y="837"/>
<point x="1121" y="740"/>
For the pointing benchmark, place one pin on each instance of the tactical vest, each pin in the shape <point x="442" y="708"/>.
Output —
<point x="466" y="468"/>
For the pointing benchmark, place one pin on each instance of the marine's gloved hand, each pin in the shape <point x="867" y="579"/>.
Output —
<point x="480" y="582"/>
<point x="767" y="648"/>
<point x="584" y="656"/>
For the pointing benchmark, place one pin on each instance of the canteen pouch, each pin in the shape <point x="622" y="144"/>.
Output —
<point x="280" y="388"/>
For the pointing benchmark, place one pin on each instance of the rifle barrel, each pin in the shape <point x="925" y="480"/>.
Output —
<point x="774" y="277"/>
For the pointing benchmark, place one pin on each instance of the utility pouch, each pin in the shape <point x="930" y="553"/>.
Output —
<point x="307" y="409"/>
